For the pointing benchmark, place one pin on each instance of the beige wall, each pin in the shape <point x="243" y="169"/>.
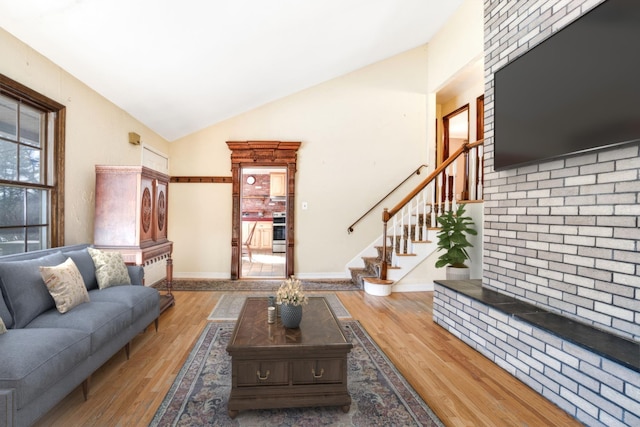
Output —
<point x="361" y="135"/>
<point x="97" y="130"/>
<point x="457" y="45"/>
<point x="455" y="49"/>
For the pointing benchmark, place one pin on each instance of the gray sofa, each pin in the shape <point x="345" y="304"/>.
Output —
<point x="45" y="354"/>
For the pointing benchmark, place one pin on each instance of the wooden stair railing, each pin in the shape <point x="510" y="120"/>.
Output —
<point x="441" y="197"/>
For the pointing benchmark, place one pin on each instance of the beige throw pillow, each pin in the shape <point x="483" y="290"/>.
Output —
<point x="110" y="268"/>
<point x="3" y="328"/>
<point x="65" y="285"/>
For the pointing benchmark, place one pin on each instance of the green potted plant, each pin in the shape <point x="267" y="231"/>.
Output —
<point x="452" y="238"/>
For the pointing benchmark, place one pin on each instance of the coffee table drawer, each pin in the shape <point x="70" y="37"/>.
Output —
<point x="251" y="373"/>
<point x="321" y="371"/>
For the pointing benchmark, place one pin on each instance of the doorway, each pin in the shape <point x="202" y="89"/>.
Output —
<point x="263" y="206"/>
<point x="248" y="155"/>
<point x="456" y="133"/>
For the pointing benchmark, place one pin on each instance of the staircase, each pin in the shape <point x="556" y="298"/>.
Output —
<point x="371" y="269"/>
<point x="409" y="232"/>
<point x="410" y="249"/>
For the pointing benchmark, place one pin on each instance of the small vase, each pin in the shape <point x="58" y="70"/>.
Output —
<point x="291" y="315"/>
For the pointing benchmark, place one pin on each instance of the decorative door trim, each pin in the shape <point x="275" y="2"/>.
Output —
<point x="262" y="153"/>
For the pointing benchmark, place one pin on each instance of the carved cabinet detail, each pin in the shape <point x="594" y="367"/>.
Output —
<point x="131" y="218"/>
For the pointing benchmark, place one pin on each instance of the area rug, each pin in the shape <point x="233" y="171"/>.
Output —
<point x="380" y="394"/>
<point x="229" y="305"/>
<point x="255" y="285"/>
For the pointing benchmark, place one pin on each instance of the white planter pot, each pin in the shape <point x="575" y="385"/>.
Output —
<point x="456" y="273"/>
<point x="377" y="287"/>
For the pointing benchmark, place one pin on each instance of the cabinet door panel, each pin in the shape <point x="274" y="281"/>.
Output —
<point x="147" y="196"/>
<point x="322" y="371"/>
<point x="160" y="211"/>
<point x="278" y="184"/>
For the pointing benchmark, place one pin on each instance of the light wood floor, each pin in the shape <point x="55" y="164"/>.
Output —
<point x="461" y="386"/>
<point x="264" y="263"/>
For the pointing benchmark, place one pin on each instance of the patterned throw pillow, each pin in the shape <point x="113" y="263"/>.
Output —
<point x="110" y="268"/>
<point x="65" y="285"/>
<point x="3" y="328"/>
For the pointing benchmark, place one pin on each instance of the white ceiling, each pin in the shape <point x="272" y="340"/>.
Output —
<point x="179" y="67"/>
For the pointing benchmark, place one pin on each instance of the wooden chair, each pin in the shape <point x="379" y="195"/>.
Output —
<point x="247" y="243"/>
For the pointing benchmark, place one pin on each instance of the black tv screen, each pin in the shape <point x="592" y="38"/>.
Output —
<point x="576" y="91"/>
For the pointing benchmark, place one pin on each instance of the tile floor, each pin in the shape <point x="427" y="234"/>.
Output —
<point x="265" y="264"/>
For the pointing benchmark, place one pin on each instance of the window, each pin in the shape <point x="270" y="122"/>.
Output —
<point x="31" y="169"/>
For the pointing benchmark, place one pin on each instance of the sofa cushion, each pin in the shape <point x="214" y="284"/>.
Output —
<point x="5" y="314"/>
<point x="85" y="264"/>
<point x="33" y="360"/>
<point x="110" y="268"/>
<point x="102" y="320"/>
<point x="24" y="290"/>
<point x="65" y="285"/>
<point x="140" y="299"/>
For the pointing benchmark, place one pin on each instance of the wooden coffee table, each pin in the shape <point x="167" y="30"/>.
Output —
<point x="274" y="367"/>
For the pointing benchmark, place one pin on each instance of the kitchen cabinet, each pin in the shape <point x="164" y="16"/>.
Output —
<point x="264" y="231"/>
<point x="278" y="186"/>
<point x="262" y="236"/>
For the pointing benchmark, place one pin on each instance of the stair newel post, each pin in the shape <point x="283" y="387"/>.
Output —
<point x="412" y="226"/>
<point x="453" y="185"/>
<point x="383" y="264"/>
<point x="394" y="249"/>
<point x="424" y="214"/>
<point x="441" y="199"/>
<point x="433" y="205"/>
<point x="402" y="240"/>
<point x="471" y="158"/>
<point x="448" y="190"/>
<point x="480" y="177"/>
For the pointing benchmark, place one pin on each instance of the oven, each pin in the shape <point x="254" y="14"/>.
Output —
<point x="279" y="232"/>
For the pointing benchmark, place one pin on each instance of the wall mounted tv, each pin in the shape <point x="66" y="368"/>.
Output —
<point x="576" y="91"/>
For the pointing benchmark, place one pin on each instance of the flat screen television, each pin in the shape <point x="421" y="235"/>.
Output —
<point x="577" y="91"/>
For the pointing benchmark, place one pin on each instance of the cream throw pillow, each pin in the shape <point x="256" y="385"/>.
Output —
<point x="65" y="285"/>
<point x="110" y="268"/>
<point x="3" y="328"/>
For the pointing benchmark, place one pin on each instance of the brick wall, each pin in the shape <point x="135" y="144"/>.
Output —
<point x="562" y="234"/>
<point x="591" y="388"/>
<point x="255" y="197"/>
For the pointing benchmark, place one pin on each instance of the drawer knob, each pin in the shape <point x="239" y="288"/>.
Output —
<point x="313" y="372"/>
<point x="261" y="378"/>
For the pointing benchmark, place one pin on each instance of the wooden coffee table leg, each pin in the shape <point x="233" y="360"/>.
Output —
<point x="346" y="408"/>
<point x="232" y="414"/>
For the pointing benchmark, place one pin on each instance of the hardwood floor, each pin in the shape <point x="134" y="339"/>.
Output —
<point x="461" y="386"/>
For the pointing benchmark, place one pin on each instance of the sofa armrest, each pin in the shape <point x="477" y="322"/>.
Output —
<point x="136" y="273"/>
<point x="7" y="407"/>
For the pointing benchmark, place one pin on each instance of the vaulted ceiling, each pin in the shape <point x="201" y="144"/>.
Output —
<point x="179" y="67"/>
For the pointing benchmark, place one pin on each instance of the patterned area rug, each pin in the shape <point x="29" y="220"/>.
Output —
<point x="229" y="305"/>
<point x="256" y="285"/>
<point x="380" y="395"/>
